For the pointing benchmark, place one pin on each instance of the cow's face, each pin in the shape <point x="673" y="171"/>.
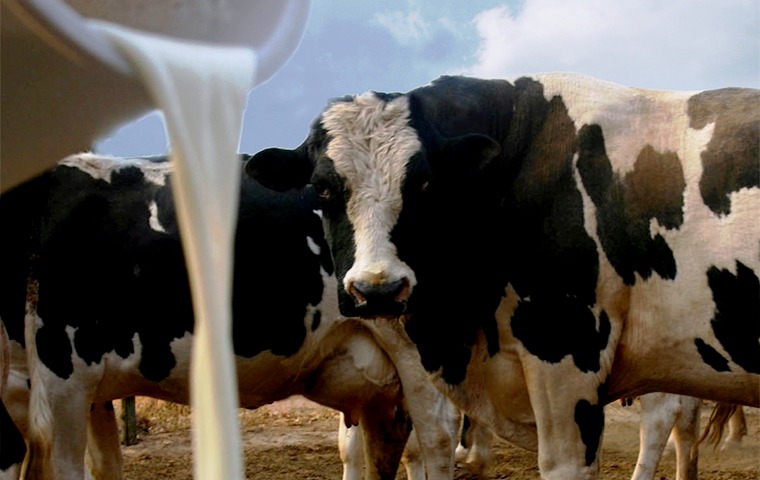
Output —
<point x="375" y="171"/>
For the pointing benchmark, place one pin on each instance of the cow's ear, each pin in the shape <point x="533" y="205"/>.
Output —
<point x="280" y="169"/>
<point x="473" y="151"/>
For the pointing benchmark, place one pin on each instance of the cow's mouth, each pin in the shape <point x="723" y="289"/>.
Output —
<point x="376" y="299"/>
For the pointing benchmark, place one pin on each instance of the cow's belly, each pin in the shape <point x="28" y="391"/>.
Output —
<point x="122" y="376"/>
<point x="669" y="363"/>
<point x="658" y="348"/>
<point x="494" y="392"/>
<point x="339" y="365"/>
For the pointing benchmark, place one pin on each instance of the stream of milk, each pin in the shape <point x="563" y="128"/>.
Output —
<point x="201" y="90"/>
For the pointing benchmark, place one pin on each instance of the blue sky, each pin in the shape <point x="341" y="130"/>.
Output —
<point x="351" y="46"/>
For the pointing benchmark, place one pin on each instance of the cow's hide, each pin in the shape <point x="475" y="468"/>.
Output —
<point x="555" y="243"/>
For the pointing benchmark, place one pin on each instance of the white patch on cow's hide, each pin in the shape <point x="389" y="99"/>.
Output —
<point x="313" y="245"/>
<point x="101" y="167"/>
<point x="631" y="118"/>
<point x="370" y="145"/>
<point x="155" y="224"/>
<point x="318" y="213"/>
<point x="704" y="240"/>
<point x="371" y="360"/>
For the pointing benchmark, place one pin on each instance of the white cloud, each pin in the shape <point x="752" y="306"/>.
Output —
<point x="407" y="28"/>
<point x="676" y="44"/>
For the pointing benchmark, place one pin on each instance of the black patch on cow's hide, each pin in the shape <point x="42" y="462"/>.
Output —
<point x="590" y="420"/>
<point x="572" y="328"/>
<point x="553" y="263"/>
<point x="12" y="446"/>
<point x="54" y="350"/>
<point x="276" y="273"/>
<point x="652" y="190"/>
<point x="711" y="356"/>
<point x="737" y="314"/>
<point x="551" y="257"/>
<point x="730" y="160"/>
<point x="21" y="212"/>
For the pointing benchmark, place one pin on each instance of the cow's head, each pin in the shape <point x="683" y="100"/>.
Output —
<point x="378" y="169"/>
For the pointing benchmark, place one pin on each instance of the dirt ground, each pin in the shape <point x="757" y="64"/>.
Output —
<point x="297" y="439"/>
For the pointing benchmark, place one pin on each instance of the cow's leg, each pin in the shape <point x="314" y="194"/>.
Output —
<point x="686" y="436"/>
<point x="412" y="459"/>
<point x="435" y="418"/>
<point x="474" y="449"/>
<point x="569" y="417"/>
<point x="350" y="447"/>
<point x="659" y="412"/>
<point x="737" y="428"/>
<point x="58" y="415"/>
<point x="59" y="404"/>
<point x="351" y="444"/>
<point x="105" y="464"/>
<point x="104" y="459"/>
<point x="385" y="432"/>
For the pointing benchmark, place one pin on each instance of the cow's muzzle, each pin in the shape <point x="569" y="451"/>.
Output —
<point x="380" y="299"/>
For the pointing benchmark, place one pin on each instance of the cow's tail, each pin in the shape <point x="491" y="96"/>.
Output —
<point x="719" y="417"/>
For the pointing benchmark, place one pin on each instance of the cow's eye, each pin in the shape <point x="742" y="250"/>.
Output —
<point x="425" y="187"/>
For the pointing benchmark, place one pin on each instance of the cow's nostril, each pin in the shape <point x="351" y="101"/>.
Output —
<point x="359" y="297"/>
<point x="396" y="291"/>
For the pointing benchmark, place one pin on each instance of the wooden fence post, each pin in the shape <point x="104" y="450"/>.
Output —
<point x="129" y="419"/>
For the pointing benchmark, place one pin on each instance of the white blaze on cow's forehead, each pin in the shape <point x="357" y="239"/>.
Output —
<point x="370" y="144"/>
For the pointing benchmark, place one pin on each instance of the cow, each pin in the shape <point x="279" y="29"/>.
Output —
<point x="663" y="416"/>
<point x="677" y="417"/>
<point x="591" y="241"/>
<point x="97" y="306"/>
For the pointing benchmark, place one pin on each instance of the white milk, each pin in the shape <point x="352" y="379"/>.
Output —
<point x="202" y="90"/>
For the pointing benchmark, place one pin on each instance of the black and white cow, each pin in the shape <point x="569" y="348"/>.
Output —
<point x="92" y="263"/>
<point x="664" y="417"/>
<point x="555" y="243"/>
